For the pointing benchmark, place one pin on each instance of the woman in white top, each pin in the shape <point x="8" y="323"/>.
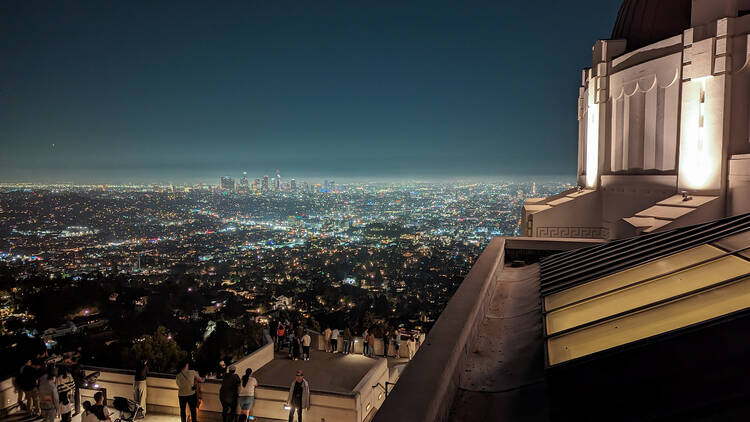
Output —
<point x="247" y="393"/>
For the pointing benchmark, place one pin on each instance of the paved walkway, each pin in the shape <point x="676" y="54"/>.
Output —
<point x="503" y="376"/>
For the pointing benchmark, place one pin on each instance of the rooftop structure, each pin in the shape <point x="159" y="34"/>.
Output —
<point x="651" y="326"/>
<point x="663" y="136"/>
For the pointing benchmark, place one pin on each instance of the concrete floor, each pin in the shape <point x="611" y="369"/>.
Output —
<point x="503" y="376"/>
<point x="334" y="372"/>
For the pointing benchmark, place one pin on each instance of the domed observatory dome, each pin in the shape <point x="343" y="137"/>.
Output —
<point x="644" y="22"/>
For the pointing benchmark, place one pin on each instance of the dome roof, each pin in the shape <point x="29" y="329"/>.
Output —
<point x="644" y="22"/>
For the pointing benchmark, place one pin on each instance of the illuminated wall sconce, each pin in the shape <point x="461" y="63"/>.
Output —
<point x="592" y="139"/>
<point x="699" y="165"/>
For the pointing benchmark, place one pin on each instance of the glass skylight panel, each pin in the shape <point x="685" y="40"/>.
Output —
<point x="635" y="326"/>
<point x="646" y="293"/>
<point x="631" y="275"/>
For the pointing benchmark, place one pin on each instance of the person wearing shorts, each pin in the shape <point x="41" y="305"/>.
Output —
<point x="247" y="393"/>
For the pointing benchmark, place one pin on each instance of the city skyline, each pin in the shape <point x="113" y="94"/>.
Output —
<point x="143" y="92"/>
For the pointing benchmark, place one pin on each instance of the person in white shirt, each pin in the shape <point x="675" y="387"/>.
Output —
<point x="247" y="393"/>
<point x="335" y="340"/>
<point x="49" y="400"/>
<point x="306" y="340"/>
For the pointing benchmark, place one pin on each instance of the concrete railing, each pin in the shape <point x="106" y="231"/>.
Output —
<point x="255" y="360"/>
<point x="359" y="346"/>
<point x="370" y="391"/>
<point x="425" y="390"/>
<point x="269" y="400"/>
<point x="428" y="384"/>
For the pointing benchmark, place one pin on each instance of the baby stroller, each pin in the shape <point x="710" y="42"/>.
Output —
<point x="128" y="409"/>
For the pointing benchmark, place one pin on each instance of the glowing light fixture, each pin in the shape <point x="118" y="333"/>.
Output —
<point x="592" y="139"/>
<point x="699" y="165"/>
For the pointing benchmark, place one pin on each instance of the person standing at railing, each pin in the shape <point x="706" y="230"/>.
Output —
<point x="186" y="381"/>
<point x="299" y="396"/>
<point x="306" y="341"/>
<point x="140" y="387"/>
<point x="364" y="343"/>
<point x="327" y="339"/>
<point x="247" y="393"/>
<point x="228" y="394"/>
<point x="396" y="343"/>
<point x="371" y="343"/>
<point x="334" y="340"/>
<point x="347" y="340"/>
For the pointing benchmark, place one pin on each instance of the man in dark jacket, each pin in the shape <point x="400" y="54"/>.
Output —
<point x="228" y="394"/>
<point x="27" y="382"/>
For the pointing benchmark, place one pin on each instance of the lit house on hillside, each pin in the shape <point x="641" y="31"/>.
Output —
<point x="628" y="298"/>
<point x="663" y="110"/>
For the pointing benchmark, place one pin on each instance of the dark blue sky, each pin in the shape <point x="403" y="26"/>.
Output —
<point x="183" y="91"/>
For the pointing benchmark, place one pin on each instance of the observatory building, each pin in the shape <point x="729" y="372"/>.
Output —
<point x="663" y="124"/>
<point x="628" y="297"/>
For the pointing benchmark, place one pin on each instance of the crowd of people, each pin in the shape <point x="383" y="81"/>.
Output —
<point x="237" y="394"/>
<point x="49" y="386"/>
<point x="294" y="337"/>
<point x="391" y="342"/>
<point x="297" y="341"/>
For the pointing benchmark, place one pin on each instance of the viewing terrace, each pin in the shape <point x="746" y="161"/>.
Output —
<point x="346" y="388"/>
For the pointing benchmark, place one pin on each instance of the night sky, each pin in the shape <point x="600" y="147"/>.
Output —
<point x="156" y="91"/>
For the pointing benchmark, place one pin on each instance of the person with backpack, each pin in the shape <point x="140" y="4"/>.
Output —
<point x="247" y="393"/>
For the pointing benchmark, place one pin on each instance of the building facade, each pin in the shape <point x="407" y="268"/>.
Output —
<point x="663" y="123"/>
